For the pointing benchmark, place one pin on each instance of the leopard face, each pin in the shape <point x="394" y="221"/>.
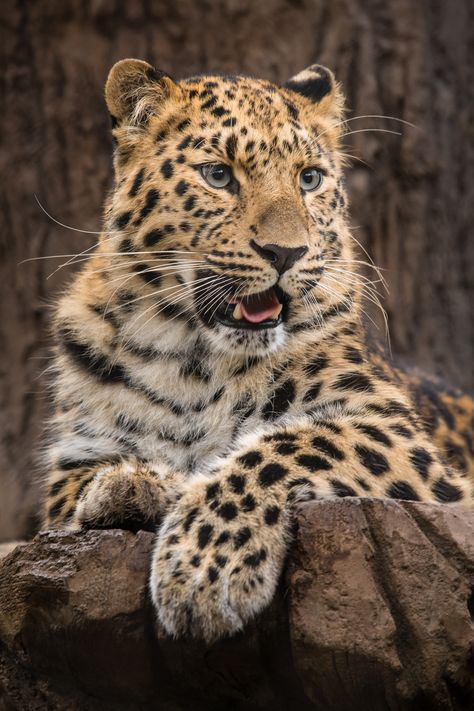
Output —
<point x="229" y="204"/>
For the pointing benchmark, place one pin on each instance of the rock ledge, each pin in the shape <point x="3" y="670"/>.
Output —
<point x="375" y="612"/>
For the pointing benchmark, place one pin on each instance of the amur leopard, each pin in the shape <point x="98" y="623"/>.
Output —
<point x="211" y="364"/>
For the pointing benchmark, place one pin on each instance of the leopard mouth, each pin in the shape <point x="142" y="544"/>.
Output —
<point x="264" y="310"/>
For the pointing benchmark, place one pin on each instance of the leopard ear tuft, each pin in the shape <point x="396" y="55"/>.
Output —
<point x="134" y="90"/>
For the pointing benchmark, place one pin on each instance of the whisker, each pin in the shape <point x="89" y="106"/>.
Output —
<point x="156" y="293"/>
<point x="62" y="224"/>
<point x="367" y="130"/>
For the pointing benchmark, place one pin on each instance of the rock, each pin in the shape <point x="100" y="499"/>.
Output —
<point x="375" y="612"/>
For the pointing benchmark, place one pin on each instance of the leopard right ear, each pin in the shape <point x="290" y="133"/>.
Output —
<point x="318" y="85"/>
<point x="135" y="90"/>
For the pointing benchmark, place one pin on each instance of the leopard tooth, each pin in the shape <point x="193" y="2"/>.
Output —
<point x="237" y="314"/>
<point x="278" y="312"/>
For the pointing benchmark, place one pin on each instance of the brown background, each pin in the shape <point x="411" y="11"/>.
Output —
<point x="413" y="198"/>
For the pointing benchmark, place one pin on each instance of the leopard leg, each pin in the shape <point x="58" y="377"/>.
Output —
<point x="220" y="550"/>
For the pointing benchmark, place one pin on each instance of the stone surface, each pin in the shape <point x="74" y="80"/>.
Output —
<point x="375" y="612"/>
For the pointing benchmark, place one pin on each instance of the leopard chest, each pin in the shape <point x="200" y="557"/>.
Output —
<point x="185" y="416"/>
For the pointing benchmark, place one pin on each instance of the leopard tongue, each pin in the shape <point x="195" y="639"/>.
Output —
<point x="261" y="307"/>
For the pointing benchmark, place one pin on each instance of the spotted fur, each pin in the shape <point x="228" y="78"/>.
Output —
<point x="169" y="420"/>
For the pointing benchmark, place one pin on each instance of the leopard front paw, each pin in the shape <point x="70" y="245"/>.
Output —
<point x="209" y="580"/>
<point x="127" y="495"/>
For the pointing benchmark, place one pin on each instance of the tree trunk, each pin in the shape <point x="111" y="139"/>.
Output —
<point x="412" y="199"/>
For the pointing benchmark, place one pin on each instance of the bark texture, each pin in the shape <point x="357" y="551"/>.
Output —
<point x="412" y="203"/>
<point x="376" y="613"/>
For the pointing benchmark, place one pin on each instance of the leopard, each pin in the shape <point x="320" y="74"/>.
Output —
<point x="213" y="366"/>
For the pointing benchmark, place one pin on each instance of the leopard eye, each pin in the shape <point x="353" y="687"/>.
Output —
<point x="217" y="175"/>
<point x="310" y="179"/>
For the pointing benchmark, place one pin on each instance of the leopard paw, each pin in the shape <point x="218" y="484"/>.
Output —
<point x="127" y="495"/>
<point x="207" y="579"/>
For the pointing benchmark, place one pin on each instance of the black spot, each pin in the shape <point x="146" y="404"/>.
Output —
<point x="150" y="276"/>
<point x="167" y="169"/>
<point x="123" y="220"/>
<point x="281" y="437"/>
<point x="57" y="486"/>
<point x="313" y="462"/>
<point x="331" y="426"/>
<point x="190" y="202"/>
<point x="152" y="237"/>
<point x="151" y="199"/>
<point x="204" y="535"/>
<point x="247" y="503"/>
<point x="279" y="401"/>
<point x="67" y="464"/>
<point x="421" y="460"/>
<point x="300" y="481"/>
<point x="392" y="407"/>
<point x="212" y="574"/>
<point x="312" y="393"/>
<point x="221" y="560"/>
<point x="57" y="507"/>
<point x="209" y="103"/>
<point x="188" y="522"/>
<point x="254" y="559"/>
<point x="181" y="187"/>
<point x="292" y="110"/>
<point x="229" y="122"/>
<point x="353" y="355"/>
<point x="374" y="433"/>
<point x="455" y="455"/>
<point x="272" y="514"/>
<point x="286" y="448"/>
<point x="230" y="146"/>
<point x="222" y="538"/>
<point x="402" y="490"/>
<point x="219" y="111"/>
<point x="161" y="135"/>
<point x="328" y="448"/>
<point x="250" y="459"/>
<point x="97" y="364"/>
<point x="402" y="431"/>
<point x="237" y="483"/>
<point x="195" y="561"/>
<point x="183" y="124"/>
<point x="354" y="381"/>
<point x="446" y="492"/>
<point x="126" y="245"/>
<point x="227" y="511"/>
<point x="372" y="460"/>
<point x="137" y="182"/>
<point x="362" y="482"/>
<point x="341" y="489"/>
<point x="241" y="537"/>
<point x="271" y="473"/>
<point x="212" y="491"/>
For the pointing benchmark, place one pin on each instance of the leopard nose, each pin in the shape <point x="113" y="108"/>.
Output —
<point x="282" y="258"/>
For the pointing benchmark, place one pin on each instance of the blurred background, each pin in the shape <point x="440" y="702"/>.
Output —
<point x="412" y="195"/>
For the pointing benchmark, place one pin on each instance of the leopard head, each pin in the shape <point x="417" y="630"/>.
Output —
<point x="229" y="205"/>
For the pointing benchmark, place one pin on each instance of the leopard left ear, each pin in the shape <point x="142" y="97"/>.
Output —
<point x="317" y="83"/>
<point x="135" y="90"/>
